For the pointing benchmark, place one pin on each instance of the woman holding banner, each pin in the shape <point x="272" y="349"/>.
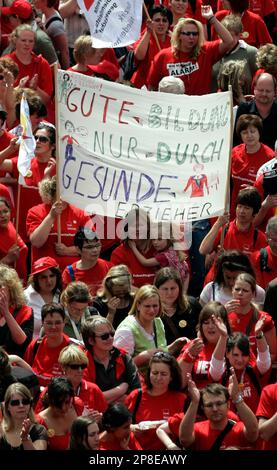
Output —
<point x="148" y="45"/>
<point x="190" y="56"/>
<point x="42" y="226"/>
<point x="42" y="162"/>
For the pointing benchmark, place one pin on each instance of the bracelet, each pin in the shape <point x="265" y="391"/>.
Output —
<point x="238" y="400"/>
<point x="260" y="335"/>
<point x="188" y="357"/>
<point x="209" y="20"/>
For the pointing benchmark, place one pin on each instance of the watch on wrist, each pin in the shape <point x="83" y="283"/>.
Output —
<point x="260" y="335"/>
<point x="238" y="400"/>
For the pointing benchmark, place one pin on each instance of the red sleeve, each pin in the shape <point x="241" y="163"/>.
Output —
<point x="29" y="353"/>
<point x="66" y="278"/>
<point x="217" y="239"/>
<point x="162" y="259"/>
<point x="174" y="424"/>
<point x="266" y="408"/>
<point x="34" y="219"/>
<point x="15" y="172"/>
<point x="45" y="79"/>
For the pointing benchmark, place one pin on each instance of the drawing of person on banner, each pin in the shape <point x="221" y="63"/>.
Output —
<point x="69" y="127"/>
<point x="65" y="85"/>
<point x="198" y="182"/>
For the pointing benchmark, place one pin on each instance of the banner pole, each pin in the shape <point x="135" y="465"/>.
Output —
<point x="58" y="191"/>
<point x="227" y="188"/>
<point x="153" y="32"/>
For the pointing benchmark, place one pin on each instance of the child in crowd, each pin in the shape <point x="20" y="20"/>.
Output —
<point x="166" y="254"/>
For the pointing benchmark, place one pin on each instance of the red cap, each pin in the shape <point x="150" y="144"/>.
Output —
<point x="42" y="264"/>
<point x="106" y="68"/>
<point x="20" y="8"/>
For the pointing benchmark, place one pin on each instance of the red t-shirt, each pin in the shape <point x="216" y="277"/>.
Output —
<point x="205" y="437"/>
<point x="235" y="239"/>
<point x="240" y="322"/>
<point x="93" y="277"/>
<point x="38" y="66"/>
<point x="254" y="31"/>
<point x="71" y="219"/>
<point x="245" y="167"/>
<point x="7" y="240"/>
<point x="151" y="409"/>
<point x="140" y="274"/>
<point x="264" y="277"/>
<point x="260" y="7"/>
<point x="89" y="393"/>
<point x="272" y="210"/>
<point x="46" y="361"/>
<point x="29" y="195"/>
<point x="266" y="409"/>
<point x="201" y="367"/>
<point x="195" y="73"/>
<point x="115" y="445"/>
<point x="139" y="77"/>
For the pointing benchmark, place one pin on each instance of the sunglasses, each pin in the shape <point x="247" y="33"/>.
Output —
<point x="41" y="138"/>
<point x="106" y="335"/>
<point x="162" y="355"/>
<point x="77" y="366"/>
<point x="189" y="33"/>
<point x="24" y="401"/>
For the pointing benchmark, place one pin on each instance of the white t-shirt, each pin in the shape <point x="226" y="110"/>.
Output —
<point x="221" y="296"/>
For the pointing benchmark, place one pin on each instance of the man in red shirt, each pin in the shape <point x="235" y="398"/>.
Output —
<point x="214" y="434"/>
<point x="265" y="261"/>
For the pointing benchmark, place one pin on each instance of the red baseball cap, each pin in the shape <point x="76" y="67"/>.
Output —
<point x="106" y="68"/>
<point x="20" y="8"/>
<point x="42" y="264"/>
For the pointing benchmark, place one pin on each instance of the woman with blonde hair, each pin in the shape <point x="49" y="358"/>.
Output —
<point x="232" y="73"/>
<point x="142" y="333"/>
<point x="190" y="56"/>
<point x="85" y="55"/>
<point x="116" y="296"/>
<point x="19" y="429"/>
<point x="16" y="318"/>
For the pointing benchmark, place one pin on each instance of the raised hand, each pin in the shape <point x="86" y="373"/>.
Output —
<point x="220" y="325"/>
<point x="196" y="346"/>
<point x="194" y="393"/>
<point x="206" y="12"/>
<point x="233" y="387"/>
<point x="259" y="325"/>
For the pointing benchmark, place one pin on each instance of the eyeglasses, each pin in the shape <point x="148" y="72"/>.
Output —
<point x="215" y="403"/>
<point x="105" y="335"/>
<point x="24" y="401"/>
<point x="77" y="366"/>
<point x="162" y="355"/>
<point x="189" y="33"/>
<point x="53" y="323"/>
<point x="41" y="138"/>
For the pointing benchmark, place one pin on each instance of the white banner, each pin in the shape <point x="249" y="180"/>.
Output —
<point x="113" y="23"/>
<point x="121" y="148"/>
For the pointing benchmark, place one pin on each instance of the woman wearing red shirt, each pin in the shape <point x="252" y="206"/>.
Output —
<point x="117" y="433"/>
<point x="190" y="56"/>
<point x="245" y="315"/>
<point x="34" y="70"/>
<point x="146" y="48"/>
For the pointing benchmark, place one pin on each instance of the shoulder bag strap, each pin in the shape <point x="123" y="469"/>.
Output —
<point x="217" y="443"/>
<point x="138" y="400"/>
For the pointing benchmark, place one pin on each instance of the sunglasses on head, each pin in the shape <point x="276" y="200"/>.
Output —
<point x="105" y="335"/>
<point x="77" y="366"/>
<point x="189" y="33"/>
<point x="42" y="138"/>
<point x="24" y="401"/>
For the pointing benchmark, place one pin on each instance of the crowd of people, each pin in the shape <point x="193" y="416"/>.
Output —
<point x="132" y="343"/>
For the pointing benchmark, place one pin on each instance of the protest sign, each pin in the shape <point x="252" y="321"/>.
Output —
<point x="113" y="23"/>
<point x="122" y="148"/>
